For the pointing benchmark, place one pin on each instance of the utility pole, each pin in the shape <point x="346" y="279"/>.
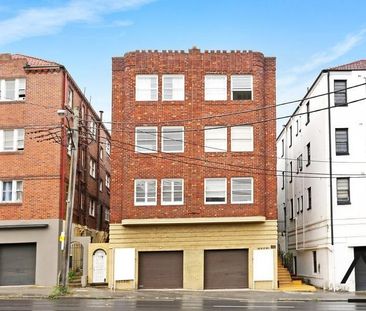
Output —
<point x="74" y="132"/>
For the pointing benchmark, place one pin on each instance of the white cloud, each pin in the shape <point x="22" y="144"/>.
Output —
<point x="44" y="21"/>
<point x="320" y="60"/>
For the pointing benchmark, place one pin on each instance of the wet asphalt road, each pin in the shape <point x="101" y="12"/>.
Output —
<point x="71" y="304"/>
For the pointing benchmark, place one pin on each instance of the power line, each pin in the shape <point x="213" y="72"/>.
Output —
<point x="240" y="112"/>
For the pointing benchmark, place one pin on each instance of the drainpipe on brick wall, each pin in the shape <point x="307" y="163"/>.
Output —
<point x="99" y="205"/>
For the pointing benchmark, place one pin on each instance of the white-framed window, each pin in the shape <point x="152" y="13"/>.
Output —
<point x="241" y="87"/>
<point x="242" y="138"/>
<point x="173" y="87"/>
<point x="101" y="185"/>
<point x="82" y="198"/>
<point x="215" y="190"/>
<point x="145" y="191"/>
<point x="92" y="207"/>
<point x="11" y="140"/>
<point x="12" y="89"/>
<point x="146" y="139"/>
<point x="93" y="129"/>
<point x="172" y="191"/>
<point x="70" y="98"/>
<point x="69" y="144"/>
<point x="108" y="147"/>
<point x="241" y="190"/>
<point x="146" y="87"/>
<point x="11" y="191"/>
<point x="215" y="139"/>
<point x="101" y="153"/>
<point x="92" y="168"/>
<point x="172" y="138"/>
<point x="107" y="181"/>
<point x="215" y="87"/>
<point x="107" y="214"/>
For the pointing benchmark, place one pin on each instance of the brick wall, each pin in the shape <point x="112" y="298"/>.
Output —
<point x="44" y="165"/>
<point x="127" y="165"/>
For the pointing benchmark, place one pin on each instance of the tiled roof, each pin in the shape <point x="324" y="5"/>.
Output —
<point x="34" y="61"/>
<point x="358" y="65"/>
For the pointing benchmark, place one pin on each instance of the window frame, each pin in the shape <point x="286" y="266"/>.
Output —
<point x="143" y="99"/>
<point x="18" y="135"/>
<point x="251" y="201"/>
<point x="18" y="96"/>
<point x="309" y="194"/>
<point x="146" y="150"/>
<point x="145" y="203"/>
<point x="205" y="190"/>
<point x="344" y="91"/>
<point x="171" y="180"/>
<point x="340" y="153"/>
<point x="164" y="84"/>
<point x="308" y="154"/>
<point x="108" y="147"/>
<point x="212" y="129"/>
<point x="232" y="77"/>
<point x="92" y="167"/>
<point x="307" y="113"/>
<point x="343" y="202"/>
<point x="92" y="206"/>
<point x="240" y="141"/>
<point x="206" y="92"/>
<point x="179" y="129"/>
<point x="14" y="191"/>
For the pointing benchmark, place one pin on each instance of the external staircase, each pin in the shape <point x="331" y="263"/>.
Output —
<point x="287" y="283"/>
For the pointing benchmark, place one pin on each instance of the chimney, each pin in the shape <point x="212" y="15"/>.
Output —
<point x="101" y="115"/>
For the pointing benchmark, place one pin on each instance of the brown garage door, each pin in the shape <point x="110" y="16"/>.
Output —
<point x="226" y="269"/>
<point x="17" y="264"/>
<point x="160" y="270"/>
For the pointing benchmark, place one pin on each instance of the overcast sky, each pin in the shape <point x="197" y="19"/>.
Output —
<point x="304" y="36"/>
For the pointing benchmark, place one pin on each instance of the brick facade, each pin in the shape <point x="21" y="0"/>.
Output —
<point x="43" y="164"/>
<point x="128" y="114"/>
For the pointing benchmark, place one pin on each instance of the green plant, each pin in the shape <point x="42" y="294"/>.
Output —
<point x="71" y="275"/>
<point x="59" y="291"/>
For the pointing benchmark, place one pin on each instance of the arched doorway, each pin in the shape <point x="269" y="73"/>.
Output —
<point x="99" y="266"/>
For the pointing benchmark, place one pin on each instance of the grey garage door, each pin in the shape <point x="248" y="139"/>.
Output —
<point x="160" y="270"/>
<point x="226" y="269"/>
<point x="17" y="264"/>
<point x="360" y="269"/>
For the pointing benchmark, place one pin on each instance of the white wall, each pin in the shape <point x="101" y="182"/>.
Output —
<point x="310" y="230"/>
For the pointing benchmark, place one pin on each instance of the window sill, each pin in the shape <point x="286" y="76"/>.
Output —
<point x="11" y="203"/>
<point x="342" y="154"/>
<point x="14" y="152"/>
<point x="15" y="101"/>
<point x="146" y="102"/>
<point x="344" y="203"/>
<point x="173" y="102"/>
<point x="172" y="204"/>
<point x="341" y="104"/>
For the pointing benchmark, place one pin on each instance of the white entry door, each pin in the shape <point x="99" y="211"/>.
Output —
<point x="99" y="266"/>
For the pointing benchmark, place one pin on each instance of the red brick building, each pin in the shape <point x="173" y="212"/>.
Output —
<point x="34" y="171"/>
<point x="193" y="169"/>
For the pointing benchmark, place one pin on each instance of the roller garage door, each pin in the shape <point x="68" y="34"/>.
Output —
<point x="226" y="269"/>
<point x="17" y="264"/>
<point x="360" y="269"/>
<point x="160" y="270"/>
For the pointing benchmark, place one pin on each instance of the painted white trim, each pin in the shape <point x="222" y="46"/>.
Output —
<point x="215" y="203"/>
<point x="161" y="190"/>
<point x="147" y="150"/>
<point x="180" y="76"/>
<point x="145" y="203"/>
<point x="252" y="190"/>
<point x="178" y="128"/>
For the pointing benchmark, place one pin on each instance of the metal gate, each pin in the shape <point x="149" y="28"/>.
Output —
<point x="76" y="258"/>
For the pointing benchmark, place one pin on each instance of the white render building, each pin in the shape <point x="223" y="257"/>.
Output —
<point x="322" y="181"/>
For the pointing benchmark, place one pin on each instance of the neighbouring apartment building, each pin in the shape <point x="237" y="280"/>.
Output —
<point x="193" y="170"/>
<point x="322" y="179"/>
<point x="34" y="171"/>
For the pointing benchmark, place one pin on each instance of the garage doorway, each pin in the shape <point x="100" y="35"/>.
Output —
<point x="159" y="270"/>
<point x="18" y="264"/>
<point x="226" y="269"/>
<point x="360" y="269"/>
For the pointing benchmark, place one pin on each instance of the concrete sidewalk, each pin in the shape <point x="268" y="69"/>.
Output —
<point x="40" y="292"/>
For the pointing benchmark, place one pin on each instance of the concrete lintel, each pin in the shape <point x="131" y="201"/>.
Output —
<point x="23" y="226"/>
<point x="184" y="221"/>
